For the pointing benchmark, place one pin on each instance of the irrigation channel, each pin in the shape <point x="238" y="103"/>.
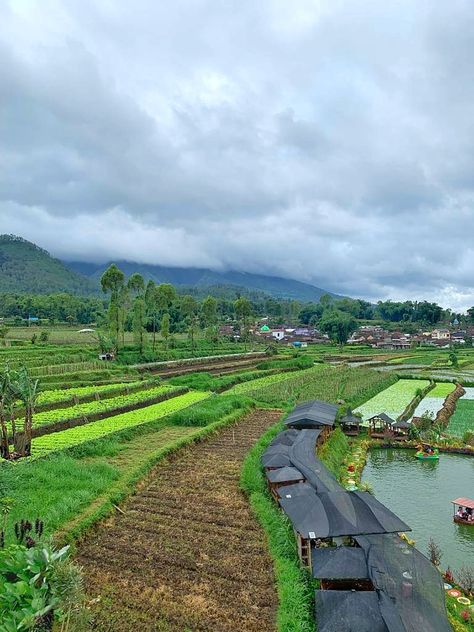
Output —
<point x="421" y="494"/>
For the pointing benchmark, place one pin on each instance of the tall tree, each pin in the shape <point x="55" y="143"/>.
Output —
<point x="165" y="328"/>
<point x="338" y="325"/>
<point x="209" y="311"/>
<point x="113" y="281"/>
<point x="136" y="287"/>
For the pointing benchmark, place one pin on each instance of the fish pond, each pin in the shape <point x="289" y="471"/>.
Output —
<point x="420" y="493"/>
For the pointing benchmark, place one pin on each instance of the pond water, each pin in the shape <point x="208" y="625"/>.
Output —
<point x="420" y="494"/>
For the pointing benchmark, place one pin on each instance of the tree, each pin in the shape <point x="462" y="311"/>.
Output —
<point x="453" y="358"/>
<point x="193" y="331"/>
<point x="136" y="286"/>
<point x="209" y="311"/>
<point x="434" y="552"/>
<point x="243" y="312"/>
<point x="166" y="294"/>
<point x="338" y="325"/>
<point x="113" y="281"/>
<point x="165" y="328"/>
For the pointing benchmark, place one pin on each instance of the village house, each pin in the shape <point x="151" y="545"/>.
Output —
<point x="441" y="334"/>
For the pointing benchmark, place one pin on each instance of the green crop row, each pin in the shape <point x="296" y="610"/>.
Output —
<point x="42" y="446"/>
<point x="61" y="395"/>
<point x="393" y="400"/>
<point x="463" y="419"/>
<point x="96" y="407"/>
<point x="248" y="388"/>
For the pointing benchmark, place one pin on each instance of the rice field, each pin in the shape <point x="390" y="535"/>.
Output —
<point x="433" y="402"/>
<point x="463" y="418"/>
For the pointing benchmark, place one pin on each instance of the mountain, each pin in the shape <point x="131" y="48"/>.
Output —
<point x="202" y="279"/>
<point x="27" y="268"/>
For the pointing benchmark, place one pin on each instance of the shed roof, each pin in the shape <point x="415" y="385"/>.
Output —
<point x="312" y="414"/>
<point x="303" y="456"/>
<point x="401" y="425"/>
<point x="284" y="475"/>
<point x="287" y="437"/>
<point x="340" y="513"/>
<point x="350" y="419"/>
<point x="276" y="460"/>
<point x="340" y="562"/>
<point x="348" y="611"/>
<point x="383" y="417"/>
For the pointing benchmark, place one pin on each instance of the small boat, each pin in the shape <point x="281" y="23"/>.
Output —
<point x="465" y="512"/>
<point x="427" y="453"/>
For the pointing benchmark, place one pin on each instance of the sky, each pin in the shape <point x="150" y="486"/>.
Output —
<point x="324" y="140"/>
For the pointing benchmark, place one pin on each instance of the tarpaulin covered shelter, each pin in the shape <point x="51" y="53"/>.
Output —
<point x="348" y="611"/>
<point x="303" y="456"/>
<point x="312" y="414"/>
<point x="285" y="475"/>
<point x="339" y="562"/>
<point x="341" y="513"/>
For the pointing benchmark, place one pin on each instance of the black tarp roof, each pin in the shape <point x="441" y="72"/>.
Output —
<point x="339" y="562"/>
<point x="303" y="456"/>
<point x="350" y="419"/>
<point x="295" y="490"/>
<point x="312" y="414"/>
<point x="341" y="513"/>
<point x="286" y="437"/>
<point x="278" y="459"/>
<point x="406" y="578"/>
<point x="384" y="417"/>
<point x="348" y="611"/>
<point x="284" y="475"/>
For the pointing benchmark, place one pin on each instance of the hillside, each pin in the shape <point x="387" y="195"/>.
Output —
<point x="26" y="268"/>
<point x="202" y="279"/>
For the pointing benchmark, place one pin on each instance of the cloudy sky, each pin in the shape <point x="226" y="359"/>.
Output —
<point x="330" y="141"/>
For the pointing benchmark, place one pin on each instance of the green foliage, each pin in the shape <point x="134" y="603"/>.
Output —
<point x="338" y="325"/>
<point x="463" y="419"/>
<point x="302" y="362"/>
<point x="208" y="382"/>
<point x="26" y="268"/>
<point x="333" y="452"/>
<point x="118" y="423"/>
<point x="295" y="590"/>
<point x="393" y="400"/>
<point x="209" y="411"/>
<point x="30" y="585"/>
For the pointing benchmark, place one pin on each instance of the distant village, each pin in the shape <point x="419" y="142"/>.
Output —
<point x="374" y="336"/>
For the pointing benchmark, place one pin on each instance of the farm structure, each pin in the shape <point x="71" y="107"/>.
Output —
<point x="370" y="579"/>
<point x="314" y="414"/>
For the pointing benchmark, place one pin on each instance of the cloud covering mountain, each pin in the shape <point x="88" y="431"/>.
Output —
<point x="328" y="141"/>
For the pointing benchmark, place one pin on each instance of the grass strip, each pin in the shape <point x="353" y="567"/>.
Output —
<point x="294" y="585"/>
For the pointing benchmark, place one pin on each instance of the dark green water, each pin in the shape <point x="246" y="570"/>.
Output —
<point x="420" y="494"/>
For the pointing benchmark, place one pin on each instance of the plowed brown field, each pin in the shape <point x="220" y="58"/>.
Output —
<point x="187" y="554"/>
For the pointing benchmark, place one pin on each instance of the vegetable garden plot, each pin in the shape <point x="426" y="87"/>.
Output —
<point x="393" y="400"/>
<point x="80" y="411"/>
<point x="61" y="395"/>
<point x="188" y="553"/>
<point x="463" y="419"/>
<point x="253" y="385"/>
<point x="75" y="436"/>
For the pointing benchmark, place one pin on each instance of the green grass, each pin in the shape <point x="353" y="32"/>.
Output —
<point x="442" y="389"/>
<point x="208" y="411"/>
<point x="202" y="381"/>
<point x="333" y="452"/>
<point x="294" y="585"/>
<point x="463" y="419"/>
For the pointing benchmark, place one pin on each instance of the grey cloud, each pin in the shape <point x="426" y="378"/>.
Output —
<point x="330" y="141"/>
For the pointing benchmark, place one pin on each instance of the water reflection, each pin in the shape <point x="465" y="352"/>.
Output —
<point x="419" y="492"/>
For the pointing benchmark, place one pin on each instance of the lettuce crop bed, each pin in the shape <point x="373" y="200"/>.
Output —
<point x="463" y="419"/>
<point x="79" y="411"/>
<point x="64" y="396"/>
<point x="75" y="436"/>
<point x="393" y="400"/>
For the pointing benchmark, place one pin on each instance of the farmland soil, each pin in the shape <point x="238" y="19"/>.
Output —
<point x="187" y="554"/>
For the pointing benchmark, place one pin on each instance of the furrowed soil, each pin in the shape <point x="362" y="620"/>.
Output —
<point x="187" y="555"/>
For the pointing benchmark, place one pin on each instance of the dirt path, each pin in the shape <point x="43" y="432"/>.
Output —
<point x="187" y="555"/>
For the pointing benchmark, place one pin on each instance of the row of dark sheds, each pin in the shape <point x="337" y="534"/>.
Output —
<point x="371" y="580"/>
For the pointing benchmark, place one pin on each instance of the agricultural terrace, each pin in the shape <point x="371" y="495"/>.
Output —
<point x="433" y="402"/>
<point x="463" y="419"/>
<point x="393" y="400"/>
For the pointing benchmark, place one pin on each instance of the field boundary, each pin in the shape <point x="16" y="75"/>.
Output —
<point x="105" y="505"/>
<point x="294" y="585"/>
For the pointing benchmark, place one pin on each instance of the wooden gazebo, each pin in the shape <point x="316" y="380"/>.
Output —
<point x="350" y="424"/>
<point x="380" y="425"/>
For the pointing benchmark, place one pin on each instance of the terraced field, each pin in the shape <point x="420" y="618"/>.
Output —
<point x="187" y="553"/>
<point x="434" y="401"/>
<point x="463" y="419"/>
<point x="393" y="400"/>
